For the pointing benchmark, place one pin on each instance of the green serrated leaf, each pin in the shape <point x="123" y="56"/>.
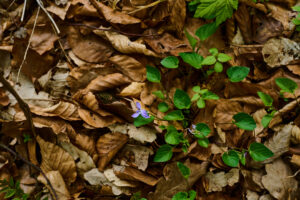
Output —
<point x="222" y="57"/>
<point x="244" y="121"/>
<point x="174" y="115"/>
<point x="170" y="62"/>
<point x="265" y="121"/>
<point x="210" y="95"/>
<point x="159" y="94"/>
<point x="218" y="67"/>
<point x="266" y="99"/>
<point x="237" y="73"/>
<point x="193" y="41"/>
<point x="153" y="74"/>
<point x="259" y="152"/>
<point x="206" y="30"/>
<point x="140" y="121"/>
<point x="185" y="171"/>
<point x="286" y="84"/>
<point x="181" y="99"/>
<point x="163" y="154"/>
<point x="201" y="103"/>
<point x="192" y="58"/>
<point x="172" y="136"/>
<point x="163" y="107"/>
<point x="203" y="142"/>
<point x="203" y="129"/>
<point x="209" y="60"/>
<point x="231" y="158"/>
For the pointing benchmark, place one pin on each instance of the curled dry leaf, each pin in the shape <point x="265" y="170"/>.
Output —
<point x="295" y="135"/>
<point x="123" y="44"/>
<point x="108" y="146"/>
<point x="242" y="16"/>
<point x="142" y="134"/>
<point x="61" y="12"/>
<point x="64" y="110"/>
<point x="280" y="51"/>
<point x="216" y="182"/>
<point x="54" y="158"/>
<point x="96" y="50"/>
<point x="58" y="184"/>
<point x="132" y="90"/>
<point x="111" y="176"/>
<point x="130" y="67"/>
<point x="83" y="161"/>
<point x="132" y="174"/>
<point x="279" y="181"/>
<point x="296" y="159"/>
<point x="280" y="142"/>
<point x="95" y="120"/>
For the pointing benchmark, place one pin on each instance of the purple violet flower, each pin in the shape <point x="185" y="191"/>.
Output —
<point x="140" y="111"/>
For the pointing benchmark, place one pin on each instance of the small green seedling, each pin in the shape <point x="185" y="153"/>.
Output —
<point x="12" y="190"/>
<point x="296" y="21"/>
<point x="202" y="95"/>
<point x="268" y="102"/>
<point x="191" y="195"/>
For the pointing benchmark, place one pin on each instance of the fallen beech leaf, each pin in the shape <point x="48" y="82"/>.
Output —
<point x="216" y="182"/>
<point x="114" y="16"/>
<point x="108" y="146"/>
<point x="130" y="67"/>
<point x="4" y="100"/>
<point x="280" y="51"/>
<point x="27" y="183"/>
<point x="280" y="142"/>
<point x="141" y="134"/>
<point x="295" y="135"/>
<point x="86" y="143"/>
<point x="96" y="50"/>
<point x="132" y="90"/>
<point x="59" y="11"/>
<point x="55" y="158"/>
<point x="295" y="69"/>
<point x="177" y="12"/>
<point x="111" y="176"/>
<point x="132" y="174"/>
<point x="257" y="116"/>
<point x="296" y="159"/>
<point x="82" y="160"/>
<point x="95" y="120"/>
<point x="252" y="195"/>
<point x="242" y="16"/>
<point x="253" y="179"/>
<point x="147" y="97"/>
<point x="65" y="110"/>
<point x="279" y="182"/>
<point x="58" y="184"/>
<point x="123" y="44"/>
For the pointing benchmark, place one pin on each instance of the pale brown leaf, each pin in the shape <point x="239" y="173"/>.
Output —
<point x="132" y="90"/>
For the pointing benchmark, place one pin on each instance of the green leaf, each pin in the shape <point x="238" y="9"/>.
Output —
<point x="209" y="60"/>
<point x="265" y="121"/>
<point x="180" y="196"/>
<point x="210" y="95"/>
<point x="259" y="152"/>
<point x="203" y="128"/>
<point x="214" y="51"/>
<point x="196" y="89"/>
<point x="163" y="107"/>
<point x="201" y="103"/>
<point x="237" y="73"/>
<point x="11" y="182"/>
<point x="242" y="157"/>
<point x="181" y="99"/>
<point x="219" y="9"/>
<point x="266" y="99"/>
<point x="174" y="115"/>
<point x="170" y="62"/>
<point x="222" y="57"/>
<point x="185" y="171"/>
<point x="163" y="154"/>
<point x="218" y="67"/>
<point x="159" y="94"/>
<point x="140" y="121"/>
<point x="195" y="97"/>
<point x="296" y="8"/>
<point x="231" y="158"/>
<point x="203" y="142"/>
<point x="286" y="84"/>
<point x="172" y="136"/>
<point x="192" y="58"/>
<point x="193" y="41"/>
<point x="206" y="30"/>
<point x="244" y="121"/>
<point x="9" y="193"/>
<point x="192" y="194"/>
<point x="153" y="74"/>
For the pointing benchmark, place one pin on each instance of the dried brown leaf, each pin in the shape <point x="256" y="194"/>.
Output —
<point x="55" y="158"/>
<point x="61" y="12"/>
<point x="132" y="90"/>
<point x="242" y="16"/>
<point x="4" y="100"/>
<point x="216" y="182"/>
<point x="295" y="135"/>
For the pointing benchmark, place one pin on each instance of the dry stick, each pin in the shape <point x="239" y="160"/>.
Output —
<point x="23" y="11"/>
<point x="28" y="45"/>
<point x="147" y="6"/>
<point x="24" y="106"/>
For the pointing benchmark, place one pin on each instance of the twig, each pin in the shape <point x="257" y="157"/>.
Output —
<point x="147" y="6"/>
<point x="23" y="11"/>
<point x="32" y="165"/>
<point x="40" y="3"/>
<point x="28" y="45"/>
<point x="111" y="29"/>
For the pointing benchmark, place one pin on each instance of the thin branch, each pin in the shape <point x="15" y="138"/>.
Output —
<point x="23" y="11"/>
<point x="32" y="165"/>
<point x="147" y="6"/>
